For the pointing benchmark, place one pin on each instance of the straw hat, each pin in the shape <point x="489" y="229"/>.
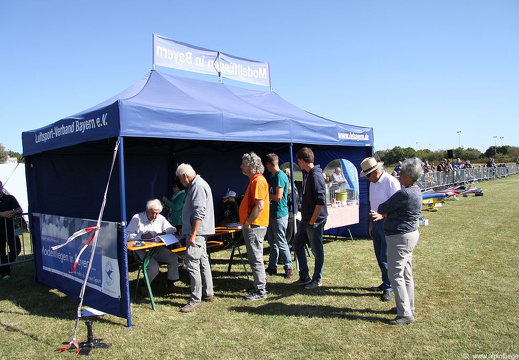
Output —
<point x="369" y="165"/>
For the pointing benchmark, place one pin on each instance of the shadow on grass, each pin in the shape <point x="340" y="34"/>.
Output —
<point x="312" y="311"/>
<point x="36" y="299"/>
<point x="22" y="332"/>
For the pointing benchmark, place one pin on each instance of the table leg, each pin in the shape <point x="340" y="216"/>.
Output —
<point x="235" y="246"/>
<point x="230" y="260"/>
<point x="243" y="263"/>
<point x="144" y="266"/>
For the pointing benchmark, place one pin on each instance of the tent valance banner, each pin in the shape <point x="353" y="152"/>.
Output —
<point x="177" y="55"/>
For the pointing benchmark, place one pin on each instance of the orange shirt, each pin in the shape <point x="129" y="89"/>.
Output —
<point x="258" y="189"/>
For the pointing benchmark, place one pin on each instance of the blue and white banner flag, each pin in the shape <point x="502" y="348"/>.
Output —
<point x="182" y="56"/>
<point x="59" y="256"/>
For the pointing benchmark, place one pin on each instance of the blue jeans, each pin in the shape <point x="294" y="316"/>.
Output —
<point x="312" y="235"/>
<point x="380" y="247"/>
<point x="276" y="234"/>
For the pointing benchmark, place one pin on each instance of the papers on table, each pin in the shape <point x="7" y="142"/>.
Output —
<point x="167" y="239"/>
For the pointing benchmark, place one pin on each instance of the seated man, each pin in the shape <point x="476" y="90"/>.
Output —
<point x="146" y="225"/>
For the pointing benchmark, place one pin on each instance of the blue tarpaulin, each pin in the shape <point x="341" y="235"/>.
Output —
<point x="162" y="121"/>
<point x="166" y="106"/>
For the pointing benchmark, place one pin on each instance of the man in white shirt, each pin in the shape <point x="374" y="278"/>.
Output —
<point x="382" y="186"/>
<point x="146" y="225"/>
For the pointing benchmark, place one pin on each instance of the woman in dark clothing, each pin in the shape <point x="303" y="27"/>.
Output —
<point x="401" y="213"/>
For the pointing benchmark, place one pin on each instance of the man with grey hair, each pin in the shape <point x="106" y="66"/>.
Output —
<point x="254" y="215"/>
<point x="146" y="225"/>
<point x="197" y="223"/>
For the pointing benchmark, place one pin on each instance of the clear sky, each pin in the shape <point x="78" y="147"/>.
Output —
<point x="417" y="72"/>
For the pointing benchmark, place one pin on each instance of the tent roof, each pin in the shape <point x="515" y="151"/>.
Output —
<point x="167" y="106"/>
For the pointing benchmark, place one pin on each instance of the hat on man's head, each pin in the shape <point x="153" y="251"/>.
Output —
<point x="229" y="193"/>
<point x="369" y="165"/>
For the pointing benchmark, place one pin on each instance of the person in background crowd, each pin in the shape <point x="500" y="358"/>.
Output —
<point x="313" y="218"/>
<point x="9" y="246"/>
<point x="291" y="220"/>
<point x="146" y="225"/>
<point x="398" y="168"/>
<point x="448" y="165"/>
<point x="491" y="163"/>
<point x="441" y="166"/>
<point x="337" y="180"/>
<point x="197" y="223"/>
<point x="401" y="213"/>
<point x="278" y="222"/>
<point x="382" y="186"/>
<point x="175" y="205"/>
<point x="254" y="215"/>
<point x="230" y="208"/>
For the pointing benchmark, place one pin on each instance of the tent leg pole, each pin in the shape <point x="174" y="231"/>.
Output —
<point x="122" y="191"/>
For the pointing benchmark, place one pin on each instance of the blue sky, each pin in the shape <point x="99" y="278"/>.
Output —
<point x="416" y="71"/>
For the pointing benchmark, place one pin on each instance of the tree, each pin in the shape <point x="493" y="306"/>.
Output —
<point x="426" y="155"/>
<point x="16" y="155"/>
<point x="3" y="154"/>
<point x="471" y="154"/>
<point x="397" y="154"/>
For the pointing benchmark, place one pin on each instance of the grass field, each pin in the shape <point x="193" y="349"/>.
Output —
<point x="467" y="294"/>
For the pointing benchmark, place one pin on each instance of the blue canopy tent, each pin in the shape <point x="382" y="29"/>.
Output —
<point x="164" y="120"/>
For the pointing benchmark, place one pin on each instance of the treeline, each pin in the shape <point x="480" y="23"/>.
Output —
<point x="4" y="154"/>
<point x="501" y="154"/>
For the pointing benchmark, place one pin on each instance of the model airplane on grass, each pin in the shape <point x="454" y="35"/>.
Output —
<point x="434" y="198"/>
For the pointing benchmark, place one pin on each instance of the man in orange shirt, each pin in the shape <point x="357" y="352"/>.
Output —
<point x="254" y="215"/>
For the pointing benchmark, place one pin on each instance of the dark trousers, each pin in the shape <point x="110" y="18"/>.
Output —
<point x="10" y="246"/>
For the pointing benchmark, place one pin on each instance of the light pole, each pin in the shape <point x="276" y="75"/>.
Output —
<point x="459" y="138"/>
<point x="501" y="137"/>
<point x="495" y="145"/>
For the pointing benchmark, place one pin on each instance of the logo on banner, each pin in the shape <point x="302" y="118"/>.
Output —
<point x="109" y="272"/>
<point x="353" y="136"/>
<point x="177" y="55"/>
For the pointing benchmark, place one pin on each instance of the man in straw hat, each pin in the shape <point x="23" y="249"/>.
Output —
<point x="382" y="186"/>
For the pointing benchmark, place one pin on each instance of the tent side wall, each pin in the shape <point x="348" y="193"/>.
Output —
<point x="71" y="181"/>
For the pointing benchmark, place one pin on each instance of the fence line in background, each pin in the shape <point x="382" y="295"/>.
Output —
<point x="465" y="176"/>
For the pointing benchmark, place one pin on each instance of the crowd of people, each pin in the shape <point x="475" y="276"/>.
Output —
<point x="264" y="212"/>
<point x="446" y="165"/>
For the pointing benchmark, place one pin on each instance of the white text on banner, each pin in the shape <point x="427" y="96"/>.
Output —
<point x="178" y="55"/>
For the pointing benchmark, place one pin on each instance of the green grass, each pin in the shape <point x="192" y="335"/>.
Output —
<point x="467" y="295"/>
